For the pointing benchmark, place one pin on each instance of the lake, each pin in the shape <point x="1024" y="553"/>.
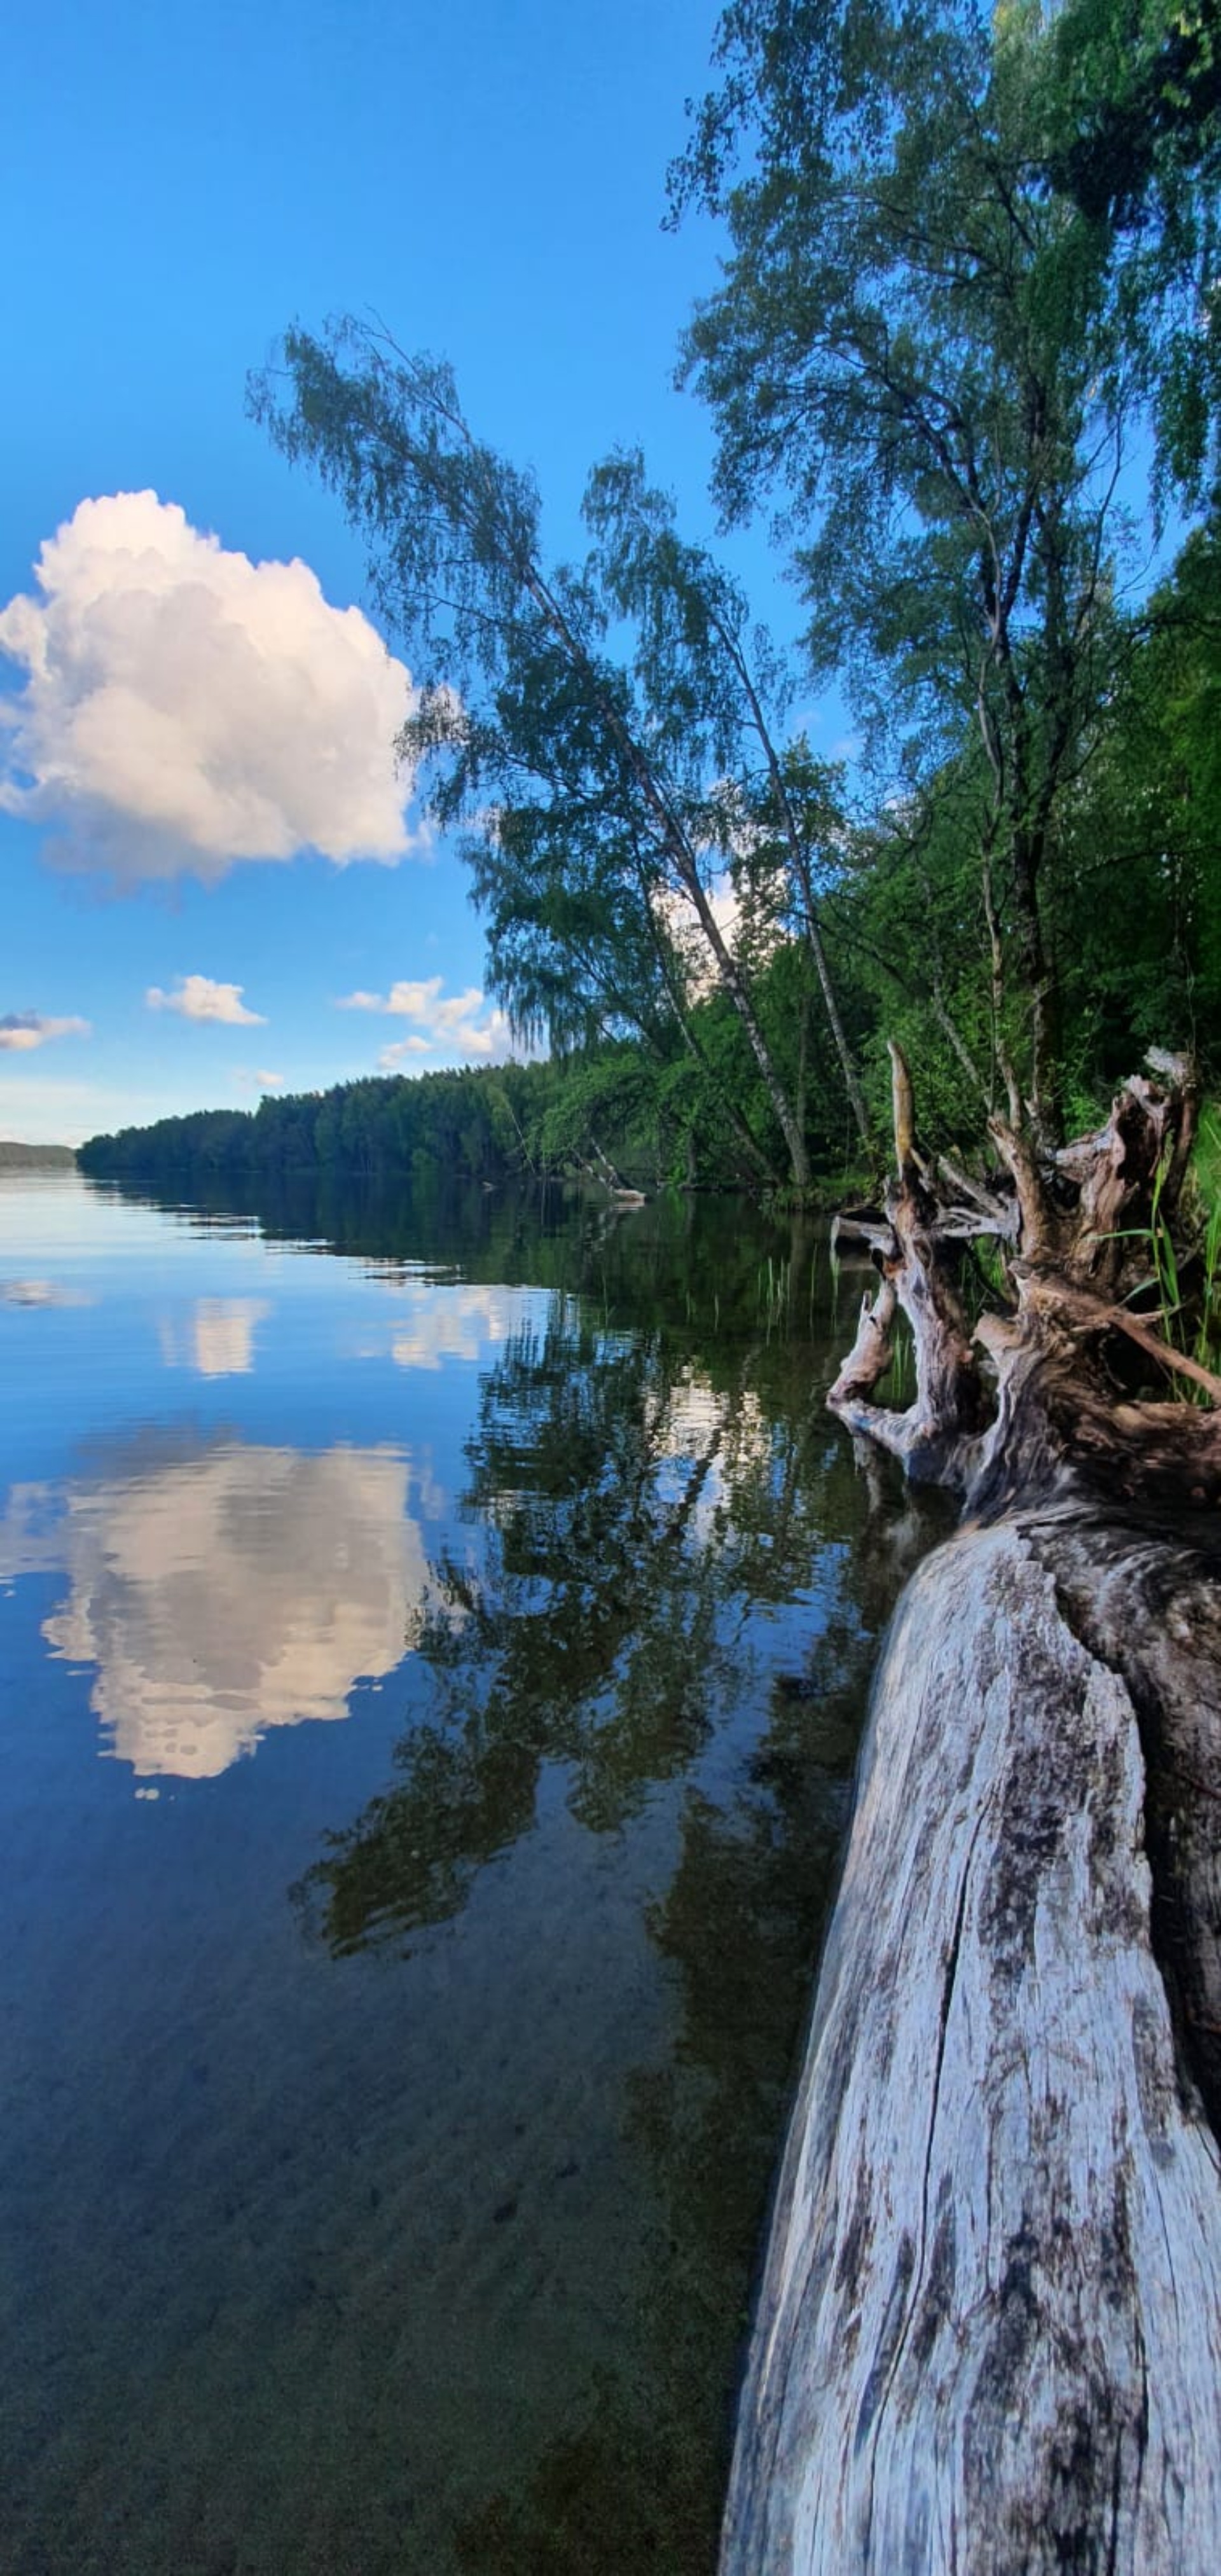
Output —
<point x="434" y="1635"/>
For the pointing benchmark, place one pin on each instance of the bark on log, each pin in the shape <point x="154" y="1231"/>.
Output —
<point x="989" y="2331"/>
<point x="988" y="2340"/>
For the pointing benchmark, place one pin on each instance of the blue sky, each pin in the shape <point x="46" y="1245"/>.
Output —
<point x="182" y="183"/>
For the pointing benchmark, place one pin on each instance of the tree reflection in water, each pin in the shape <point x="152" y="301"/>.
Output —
<point x="631" y="1512"/>
<point x="636" y="1510"/>
<point x="638" y="2486"/>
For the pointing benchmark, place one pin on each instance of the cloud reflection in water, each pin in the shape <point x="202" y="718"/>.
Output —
<point x="218" y="1341"/>
<point x="221" y="1588"/>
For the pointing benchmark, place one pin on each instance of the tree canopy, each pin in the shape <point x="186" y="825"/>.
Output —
<point x="939" y="357"/>
<point x="609" y="801"/>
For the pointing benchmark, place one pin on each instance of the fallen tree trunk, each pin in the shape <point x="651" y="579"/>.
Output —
<point x="989" y="2335"/>
<point x="989" y="2330"/>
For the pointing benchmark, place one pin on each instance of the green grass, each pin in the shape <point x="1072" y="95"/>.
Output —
<point x="1190" y="1314"/>
<point x="1204" y="1206"/>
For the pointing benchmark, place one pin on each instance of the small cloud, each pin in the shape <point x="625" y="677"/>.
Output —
<point x="184" y="709"/>
<point x="197" y="997"/>
<point x="248" y="1080"/>
<point x="457" y="1026"/>
<point x="20" y="1031"/>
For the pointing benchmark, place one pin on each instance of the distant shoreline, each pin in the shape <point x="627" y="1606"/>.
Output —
<point x="33" y="1158"/>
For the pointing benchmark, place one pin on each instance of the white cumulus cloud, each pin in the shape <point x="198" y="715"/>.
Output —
<point x="184" y="708"/>
<point x="247" y="1078"/>
<point x="21" y="1031"/>
<point x="197" y="997"/>
<point x="458" y="1025"/>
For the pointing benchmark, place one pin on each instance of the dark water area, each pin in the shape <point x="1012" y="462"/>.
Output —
<point x="434" y="1637"/>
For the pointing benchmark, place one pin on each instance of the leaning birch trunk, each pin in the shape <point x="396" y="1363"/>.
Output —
<point x="988" y="2337"/>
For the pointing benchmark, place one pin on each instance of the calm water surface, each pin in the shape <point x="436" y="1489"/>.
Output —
<point x="433" y="1640"/>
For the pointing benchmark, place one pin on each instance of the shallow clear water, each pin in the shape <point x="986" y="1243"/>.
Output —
<point x="433" y="1639"/>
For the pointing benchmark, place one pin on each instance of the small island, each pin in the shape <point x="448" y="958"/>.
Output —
<point x="16" y="1157"/>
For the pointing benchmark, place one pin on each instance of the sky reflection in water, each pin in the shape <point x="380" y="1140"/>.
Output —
<point x="391" y="2110"/>
<point x="220" y="1588"/>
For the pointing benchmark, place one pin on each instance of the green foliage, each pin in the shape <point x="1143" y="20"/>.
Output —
<point x="523" y="721"/>
<point x="1130" y="96"/>
<point x="467" y="1125"/>
<point x="606" y="800"/>
<point x="658" y="1120"/>
<point x="1205" y="1207"/>
<point x="973" y="254"/>
<point x="930" y="344"/>
<point x="1133" y="917"/>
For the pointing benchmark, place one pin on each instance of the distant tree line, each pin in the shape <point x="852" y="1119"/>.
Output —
<point x="32" y="1158"/>
<point x="480" y="1123"/>
<point x="471" y="1123"/>
<point x="649" y="1113"/>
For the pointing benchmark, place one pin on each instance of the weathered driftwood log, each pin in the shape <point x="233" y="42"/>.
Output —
<point x="989" y="2331"/>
